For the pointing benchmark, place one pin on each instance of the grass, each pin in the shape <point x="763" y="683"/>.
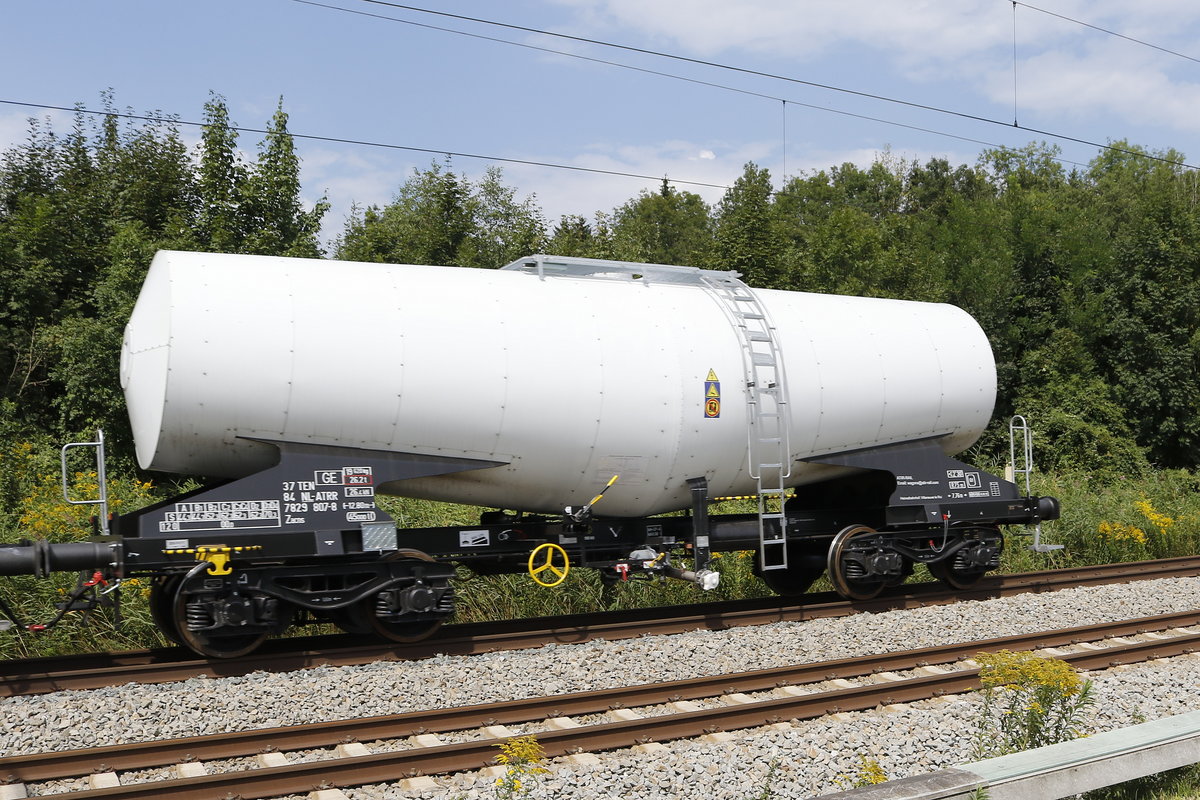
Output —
<point x="1107" y="522"/>
<point x="1174" y="784"/>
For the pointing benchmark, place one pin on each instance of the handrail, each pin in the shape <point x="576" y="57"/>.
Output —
<point x="101" y="479"/>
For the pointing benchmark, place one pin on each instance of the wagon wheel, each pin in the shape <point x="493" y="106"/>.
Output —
<point x="945" y="572"/>
<point x="229" y="642"/>
<point x="845" y="571"/>
<point x="162" y="606"/>
<point x="961" y="577"/>
<point x="402" y="632"/>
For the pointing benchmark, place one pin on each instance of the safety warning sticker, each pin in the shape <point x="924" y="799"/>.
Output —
<point x="712" y="396"/>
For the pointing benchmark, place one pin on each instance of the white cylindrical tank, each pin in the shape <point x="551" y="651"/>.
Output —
<point x="566" y="379"/>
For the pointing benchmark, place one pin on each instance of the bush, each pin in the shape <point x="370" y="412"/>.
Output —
<point x="1028" y="701"/>
<point x="39" y="512"/>
<point x="1155" y="516"/>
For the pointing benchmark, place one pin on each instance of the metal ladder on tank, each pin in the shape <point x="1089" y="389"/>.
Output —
<point x="767" y="411"/>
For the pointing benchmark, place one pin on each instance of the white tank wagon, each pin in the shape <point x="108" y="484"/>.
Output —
<point x="581" y="398"/>
<point x="565" y="380"/>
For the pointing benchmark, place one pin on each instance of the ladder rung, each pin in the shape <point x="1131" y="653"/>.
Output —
<point x="758" y="336"/>
<point x="741" y="298"/>
<point x="770" y="440"/>
<point x="750" y="315"/>
<point x="764" y="360"/>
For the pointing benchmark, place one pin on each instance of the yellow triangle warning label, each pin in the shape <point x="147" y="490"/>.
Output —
<point x="712" y="376"/>
<point x="713" y="391"/>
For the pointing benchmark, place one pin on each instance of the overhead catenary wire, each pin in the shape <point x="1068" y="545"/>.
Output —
<point x="785" y="78"/>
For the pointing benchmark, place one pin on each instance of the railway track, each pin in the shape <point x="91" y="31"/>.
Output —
<point x="635" y="716"/>
<point x="91" y="671"/>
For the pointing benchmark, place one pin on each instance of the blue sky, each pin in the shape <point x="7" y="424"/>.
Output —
<point x="351" y="76"/>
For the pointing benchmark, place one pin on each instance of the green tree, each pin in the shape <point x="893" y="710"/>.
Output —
<point x="666" y="227"/>
<point x="746" y="235"/>
<point x="441" y="218"/>
<point x="427" y="223"/>
<point x="1150" y="310"/>
<point x="47" y="241"/>
<point x="876" y="191"/>
<point x="574" y="236"/>
<point x="85" y="368"/>
<point x="145" y="174"/>
<point x="504" y="229"/>
<point x="270" y="204"/>
<point x="81" y="216"/>
<point x="850" y="231"/>
<point x="220" y="185"/>
<point x="1080" y="423"/>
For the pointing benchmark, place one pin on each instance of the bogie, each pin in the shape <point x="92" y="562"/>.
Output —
<point x="219" y="620"/>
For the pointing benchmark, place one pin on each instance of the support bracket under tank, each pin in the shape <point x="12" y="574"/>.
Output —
<point x="317" y="500"/>
<point x="928" y="487"/>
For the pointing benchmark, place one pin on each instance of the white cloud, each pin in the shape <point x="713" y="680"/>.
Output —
<point x="802" y="31"/>
<point x="1105" y="80"/>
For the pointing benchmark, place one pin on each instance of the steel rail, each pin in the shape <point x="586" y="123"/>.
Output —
<point x="49" y="766"/>
<point x="385" y="767"/>
<point x="40" y="676"/>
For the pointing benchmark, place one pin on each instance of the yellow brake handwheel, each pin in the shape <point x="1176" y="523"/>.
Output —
<point x="544" y="556"/>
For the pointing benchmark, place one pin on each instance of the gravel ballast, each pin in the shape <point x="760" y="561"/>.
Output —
<point x="809" y="757"/>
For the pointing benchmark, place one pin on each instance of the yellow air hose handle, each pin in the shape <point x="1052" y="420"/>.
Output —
<point x="607" y="486"/>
